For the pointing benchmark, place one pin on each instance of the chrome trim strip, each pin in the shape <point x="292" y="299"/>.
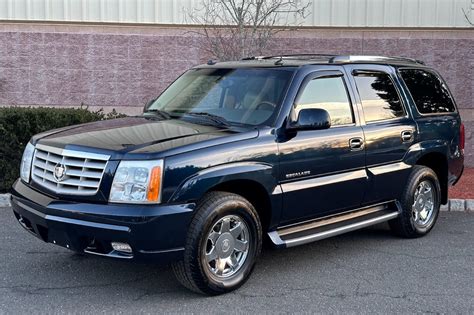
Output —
<point x="323" y="180"/>
<point x="275" y="237"/>
<point x="388" y="168"/>
<point x="171" y="250"/>
<point x="96" y="225"/>
<point x="112" y="254"/>
<point x="73" y="153"/>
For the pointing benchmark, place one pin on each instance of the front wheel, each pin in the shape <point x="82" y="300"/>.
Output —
<point x="223" y="243"/>
<point x="420" y="204"/>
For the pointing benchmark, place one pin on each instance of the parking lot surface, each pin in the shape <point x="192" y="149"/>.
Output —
<point x="368" y="271"/>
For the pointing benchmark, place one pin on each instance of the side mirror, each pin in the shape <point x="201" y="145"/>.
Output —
<point x="312" y="119"/>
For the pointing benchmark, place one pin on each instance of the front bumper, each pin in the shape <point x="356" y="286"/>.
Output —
<point x="154" y="232"/>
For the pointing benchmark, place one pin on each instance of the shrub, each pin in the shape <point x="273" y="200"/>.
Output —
<point x="18" y="124"/>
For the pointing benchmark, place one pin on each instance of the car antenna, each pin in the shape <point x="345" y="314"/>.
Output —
<point x="279" y="62"/>
<point x="211" y="62"/>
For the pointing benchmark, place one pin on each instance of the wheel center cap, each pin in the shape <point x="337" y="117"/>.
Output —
<point x="224" y="245"/>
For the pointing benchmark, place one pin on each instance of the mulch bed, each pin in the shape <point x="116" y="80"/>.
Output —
<point x="464" y="189"/>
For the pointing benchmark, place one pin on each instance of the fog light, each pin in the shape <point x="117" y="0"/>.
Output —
<point x="122" y="247"/>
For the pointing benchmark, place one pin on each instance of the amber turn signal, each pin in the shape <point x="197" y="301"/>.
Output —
<point x="153" y="193"/>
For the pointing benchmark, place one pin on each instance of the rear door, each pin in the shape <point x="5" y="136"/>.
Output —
<point x="388" y="128"/>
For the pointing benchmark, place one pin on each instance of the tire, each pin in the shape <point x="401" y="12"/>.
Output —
<point x="223" y="223"/>
<point x="416" y="219"/>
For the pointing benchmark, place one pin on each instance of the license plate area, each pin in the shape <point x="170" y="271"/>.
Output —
<point x="59" y="237"/>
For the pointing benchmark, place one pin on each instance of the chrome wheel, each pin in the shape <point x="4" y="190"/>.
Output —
<point x="423" y="203"/>
<point x="227" y="246"/>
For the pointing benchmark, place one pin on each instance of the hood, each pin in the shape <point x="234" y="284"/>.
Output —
<point x="139" y="135"/>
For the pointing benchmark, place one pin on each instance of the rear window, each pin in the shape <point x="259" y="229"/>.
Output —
<point x="429" y="92"/>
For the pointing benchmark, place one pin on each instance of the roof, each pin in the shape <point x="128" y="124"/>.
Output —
<point x="312" y="59"/>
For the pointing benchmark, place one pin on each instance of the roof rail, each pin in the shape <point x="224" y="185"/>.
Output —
<point x="301" y="56"/>
<point x="339" y="58"/>
<point x="349" y="59"/>
<point x="291" y="56"/>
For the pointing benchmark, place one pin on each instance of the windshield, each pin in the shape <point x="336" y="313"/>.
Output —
<point x="241" y="96"/>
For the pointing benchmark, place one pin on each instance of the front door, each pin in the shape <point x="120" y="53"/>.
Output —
<point x="323" y="171"/>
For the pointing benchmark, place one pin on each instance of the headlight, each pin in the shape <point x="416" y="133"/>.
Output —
<point x="25" y="168"/>
<point x="137" y="182"/>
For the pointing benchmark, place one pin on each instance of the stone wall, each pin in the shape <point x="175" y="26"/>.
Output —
<point x="124" y="66"/>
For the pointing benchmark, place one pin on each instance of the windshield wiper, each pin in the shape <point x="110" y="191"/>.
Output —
<point x="160" y="112"/>
<point x="214" y="118"/>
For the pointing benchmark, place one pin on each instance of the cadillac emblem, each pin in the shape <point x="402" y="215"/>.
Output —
<point x="59" y="172"/>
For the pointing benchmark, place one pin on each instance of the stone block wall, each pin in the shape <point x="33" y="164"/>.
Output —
<point x="122" y="67"/>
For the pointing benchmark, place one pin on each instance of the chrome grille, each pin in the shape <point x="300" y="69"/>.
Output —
<point x="83" y="170"/>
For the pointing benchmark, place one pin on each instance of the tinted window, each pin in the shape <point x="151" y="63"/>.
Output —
<point x="329" y="94"/>
<point x="379" y="97"/>
<point x="428" y="91"/>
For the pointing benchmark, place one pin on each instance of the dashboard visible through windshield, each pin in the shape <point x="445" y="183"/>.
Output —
<point x="240" y="96"/>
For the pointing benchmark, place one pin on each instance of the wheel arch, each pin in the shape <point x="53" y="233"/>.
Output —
<point x="252" y="180"/>
<point x="254" y="192"/>
<point x="438" y="162"/>
<point x="433" y="154"/>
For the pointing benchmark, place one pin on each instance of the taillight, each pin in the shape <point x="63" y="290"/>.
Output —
<point x="462" y="137"/>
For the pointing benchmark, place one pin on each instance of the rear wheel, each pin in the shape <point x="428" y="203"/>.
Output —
<point x="420" y="204"/>
<point x="223" y="243"/>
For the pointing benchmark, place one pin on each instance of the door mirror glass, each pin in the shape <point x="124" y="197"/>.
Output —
<point x="312" y="119"/>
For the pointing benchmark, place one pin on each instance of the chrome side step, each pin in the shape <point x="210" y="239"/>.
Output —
<point x="333" y="225"/>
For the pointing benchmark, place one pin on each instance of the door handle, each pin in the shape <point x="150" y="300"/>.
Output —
<point x="407" y="136"/>
<point x="356" y="144"/>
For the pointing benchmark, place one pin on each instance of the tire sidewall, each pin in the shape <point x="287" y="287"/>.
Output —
<point x="423" y="174"/>
<point x="243" y="209"/>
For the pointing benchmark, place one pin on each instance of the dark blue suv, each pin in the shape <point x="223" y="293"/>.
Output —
<point x="292" y="148"/>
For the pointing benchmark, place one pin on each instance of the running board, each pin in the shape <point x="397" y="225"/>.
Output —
<point x="333" y="225"/>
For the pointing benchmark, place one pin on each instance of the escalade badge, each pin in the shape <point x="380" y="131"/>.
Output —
<point x="298" y="174"/>
<point x="59" y="172"/>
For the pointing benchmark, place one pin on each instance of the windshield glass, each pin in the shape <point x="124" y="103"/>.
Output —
<point x="242" y="96"/>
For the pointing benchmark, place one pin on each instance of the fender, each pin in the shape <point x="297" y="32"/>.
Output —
<point x="416" y="151"/>
<point x="197" y="185"/>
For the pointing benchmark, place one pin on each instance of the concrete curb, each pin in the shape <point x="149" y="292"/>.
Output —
<point x="459" y="205"/>
<point x="4" y="200"/>
<point x="454" y="205"/>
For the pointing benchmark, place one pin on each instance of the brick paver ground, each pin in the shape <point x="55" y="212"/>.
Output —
<point x="464" y="189"/>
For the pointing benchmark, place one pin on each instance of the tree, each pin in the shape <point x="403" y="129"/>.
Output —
<point x="466" y="15"/>
<point x="234" y="29"/>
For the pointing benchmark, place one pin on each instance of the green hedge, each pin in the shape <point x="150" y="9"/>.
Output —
<point x="18" y="124"/>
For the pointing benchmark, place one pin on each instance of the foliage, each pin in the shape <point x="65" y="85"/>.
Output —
<point x="234" y="29"/>
<point x="19" y="124"/>
<point x="466" y="16"/>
